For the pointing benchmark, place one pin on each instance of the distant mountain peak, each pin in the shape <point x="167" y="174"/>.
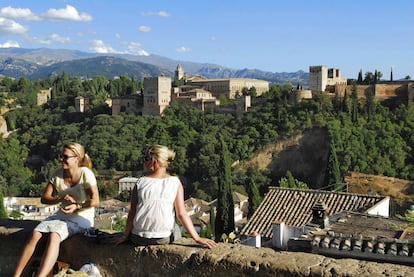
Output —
<point x="46" y="62"/>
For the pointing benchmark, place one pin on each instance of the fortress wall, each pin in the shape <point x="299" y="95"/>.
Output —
<point x="185" y="258"/>
<point x="389" y="90"/>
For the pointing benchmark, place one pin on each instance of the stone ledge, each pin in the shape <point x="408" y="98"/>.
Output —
<point x="185" y="258"/>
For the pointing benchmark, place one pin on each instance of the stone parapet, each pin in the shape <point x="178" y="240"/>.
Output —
<point x="185" y="258"/>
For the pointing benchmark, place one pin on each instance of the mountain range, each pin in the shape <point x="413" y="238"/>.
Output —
<point x="45" y="62"/>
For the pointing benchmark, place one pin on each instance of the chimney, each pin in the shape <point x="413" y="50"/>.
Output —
<point x="320" y="214"/>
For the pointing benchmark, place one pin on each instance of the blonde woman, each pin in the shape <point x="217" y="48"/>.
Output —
<point x="74" y="187"/>
<point x="155" y="200"/>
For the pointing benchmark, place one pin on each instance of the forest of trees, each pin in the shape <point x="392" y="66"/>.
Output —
<point x="366" y="136"/>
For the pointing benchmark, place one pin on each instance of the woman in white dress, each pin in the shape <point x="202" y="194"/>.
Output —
<point x="155" y="200"/>
<point x="74" y="187"/>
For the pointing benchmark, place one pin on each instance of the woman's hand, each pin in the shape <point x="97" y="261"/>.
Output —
<point x="69" y="209"/>
<point x="69" y="198"/>
<point x="207" y="242"/>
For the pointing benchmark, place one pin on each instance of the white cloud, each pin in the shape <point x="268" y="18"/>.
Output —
<point x="57" y="38"/>
<point x="98" y="46"/>
<point x="160" y="13"/>
<point x="144" y="29"/>
<point x="49" y="40"/>
<point x="163" y="14"/>
<point x="213" y="38"/>
<point x="68" y="13"/>
<point x="183" y="49"/>
<point x="137" y="49"/>
<point x="118" y="36"/>
<point x="8" y="26"/>
<point x="10" y="43"/>
<point x="143" y="53"/>
<point x="18" y="13"/>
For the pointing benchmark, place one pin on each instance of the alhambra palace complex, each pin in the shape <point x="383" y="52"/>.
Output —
<point x="204" y="93"/>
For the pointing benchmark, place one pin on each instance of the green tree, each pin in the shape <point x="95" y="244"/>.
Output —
<point x="333" y="174"/>
<point x="369" y="78"/>
<point x="379" y="75"/>
<point x="12" y="158"/>
<point x="354" y="99"/>
<point x="346" y="103"/>
<point x="212" y="223"/>
<point x="290" y="179"/>
<point x="290" y="182"/>
<point x="225" y="206"/>
<point x="254" y="197"/>
<point x="3" y="212"/>
<point x="360" y="80"/>
<point x="369" y="103"/>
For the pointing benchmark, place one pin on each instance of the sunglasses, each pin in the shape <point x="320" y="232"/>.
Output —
<point x="65" y="157"/>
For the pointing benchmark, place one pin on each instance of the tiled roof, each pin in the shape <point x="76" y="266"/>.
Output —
<point x="191" y="203"/>
<point x="113" y="204"/>
<point x="294" y="207"/>
<point x="238" y="197"/>
<point x="361" y="236"/>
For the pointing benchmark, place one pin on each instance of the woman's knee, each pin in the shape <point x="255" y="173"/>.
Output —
<point x="36" y="236"/>
<point x="53" y="236"/>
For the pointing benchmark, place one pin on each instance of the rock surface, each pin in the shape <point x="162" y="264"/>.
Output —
<point x="185" y="258"/>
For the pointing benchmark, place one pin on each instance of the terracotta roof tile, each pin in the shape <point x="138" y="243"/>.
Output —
<point x="294" y="207"/>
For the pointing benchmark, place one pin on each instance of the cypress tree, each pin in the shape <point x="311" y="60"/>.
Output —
<point x="391" y="77"/>
<point x="359" y="81"/>
<point x="212" y="219"/>
<point x="224" y="223"/>
<point x="346" y="105"/>
<point x="290" y="179"/>
<point x="254" y="197"/>
<point x="354" y="111"/>
<point x="333" y="174"/>
<point x="3" y="213"/>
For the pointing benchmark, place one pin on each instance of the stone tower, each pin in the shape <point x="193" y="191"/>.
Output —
<point x="157" y="95"/>
<point x="321" y="77"/>
<point x="179" y="73"/>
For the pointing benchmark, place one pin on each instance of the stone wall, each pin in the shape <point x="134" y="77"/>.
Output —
<point x="185" y="258"/>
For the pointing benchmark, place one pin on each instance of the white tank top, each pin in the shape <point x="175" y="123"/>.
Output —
<point x="155" y="216"/>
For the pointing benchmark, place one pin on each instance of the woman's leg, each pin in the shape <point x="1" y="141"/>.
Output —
<point x="51" y="254"/>
<point x="27" y="252"/>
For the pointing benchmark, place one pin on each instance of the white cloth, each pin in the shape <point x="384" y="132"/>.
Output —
<point x="69" y="224"/>
<point x="155" y="216"/>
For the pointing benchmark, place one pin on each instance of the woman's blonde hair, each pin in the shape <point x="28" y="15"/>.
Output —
<point x="161" y="153"/>
<point x="79" y="151"/>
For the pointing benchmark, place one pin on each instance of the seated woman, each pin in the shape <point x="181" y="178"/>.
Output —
<point x="74" y="187"/>
<point x="154" y="201"/>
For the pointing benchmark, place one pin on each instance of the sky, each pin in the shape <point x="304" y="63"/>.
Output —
<point x="269" y="35"/>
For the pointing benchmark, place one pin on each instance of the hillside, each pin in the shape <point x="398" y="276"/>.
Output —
<point x="106" y="66"/>
<point x="400" y="190"/>
<point x="298" y="154"/>
<point x="307" y="162"/>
